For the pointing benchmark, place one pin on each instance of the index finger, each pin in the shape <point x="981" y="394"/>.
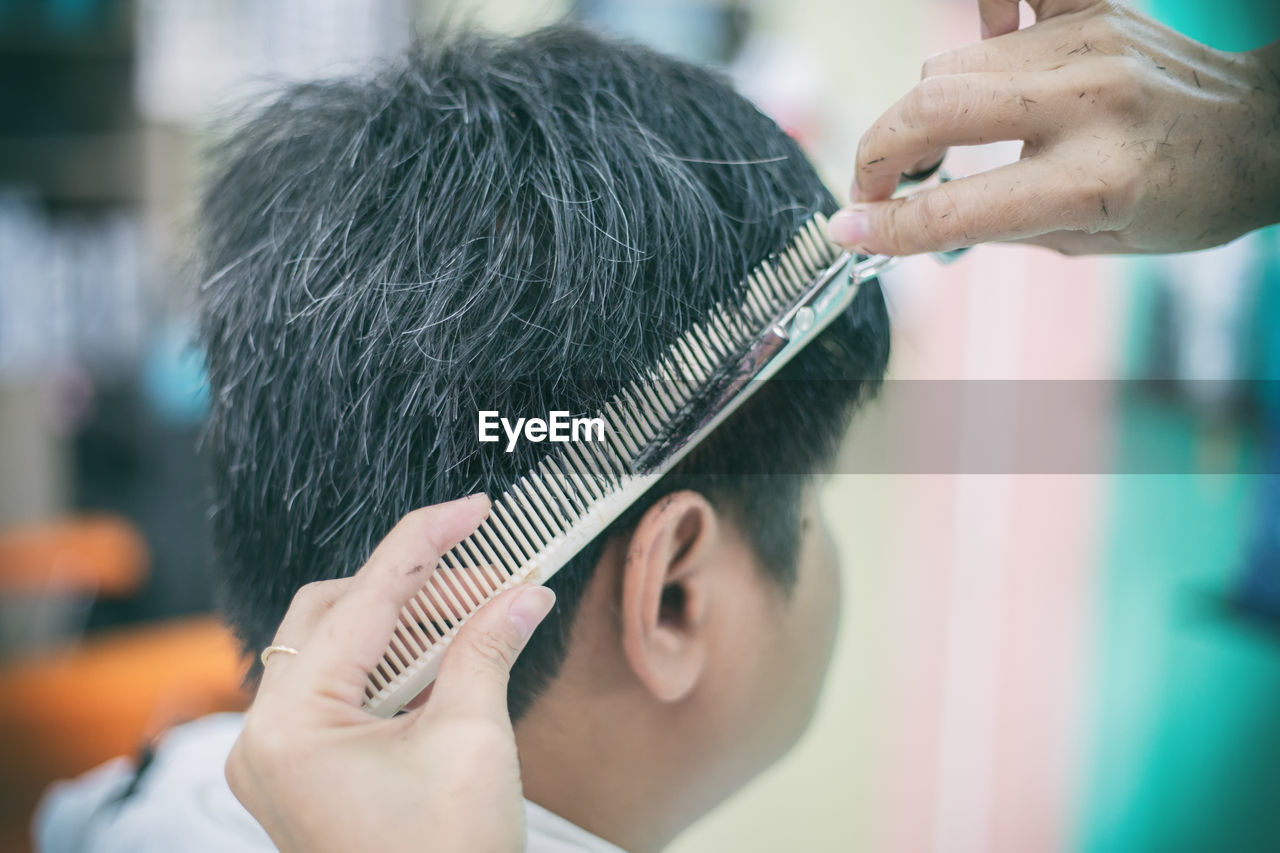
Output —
<point x="955" y="109"/>
<point x="350" y="639"/>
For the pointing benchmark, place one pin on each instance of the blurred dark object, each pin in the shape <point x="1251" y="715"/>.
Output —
<point x="1257" y="593"/>
<point x="1216" y="352"/>
<point x="1257" y="590"/>
<point x="1202" y="333"/>
<point x="131" y="461"/>
<point x="67" y="122"/>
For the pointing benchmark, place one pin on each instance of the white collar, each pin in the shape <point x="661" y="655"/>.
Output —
<point x="547" y="832"/>
<point x="183" y="802"/>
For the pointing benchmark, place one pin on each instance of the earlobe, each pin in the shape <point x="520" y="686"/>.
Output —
<point x="666" y="593"/>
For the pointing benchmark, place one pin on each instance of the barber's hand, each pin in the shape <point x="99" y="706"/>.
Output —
<point x="321" y="774"/>
<point x="1135" y="139"/>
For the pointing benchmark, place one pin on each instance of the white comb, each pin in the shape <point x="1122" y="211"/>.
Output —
<point x="579" y="489"/>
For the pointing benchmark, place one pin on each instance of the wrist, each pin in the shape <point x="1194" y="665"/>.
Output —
<point x="1264" y="62"/>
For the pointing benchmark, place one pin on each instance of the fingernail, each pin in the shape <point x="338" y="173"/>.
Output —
<point x="849" y="227"/>
<point x="923" y="169"/>
<point x="471" y="500"/>
<point x="477" y="496"/>
<point x="529" y="609"/>
<point x="984" y="30"/>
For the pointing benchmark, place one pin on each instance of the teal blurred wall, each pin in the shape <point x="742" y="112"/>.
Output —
<point x="1186" y="746"/>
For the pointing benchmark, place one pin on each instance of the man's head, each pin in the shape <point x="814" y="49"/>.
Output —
<point x="493" y="224"/>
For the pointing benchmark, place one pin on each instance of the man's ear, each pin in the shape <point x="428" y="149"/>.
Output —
<point x="665" y="593"/>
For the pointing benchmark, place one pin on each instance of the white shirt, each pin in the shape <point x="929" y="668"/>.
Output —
<point x="182" y="803"/>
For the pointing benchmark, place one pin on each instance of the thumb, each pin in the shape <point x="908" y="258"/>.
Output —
<point x="474" y="671"/>
<point x="1000" y="17"/>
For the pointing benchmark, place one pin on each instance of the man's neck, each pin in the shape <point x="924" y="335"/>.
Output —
<point x="596" y="780"/>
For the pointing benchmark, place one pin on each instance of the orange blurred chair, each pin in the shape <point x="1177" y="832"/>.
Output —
<point x="97" y="554"/>
<point x="66" y="708"/>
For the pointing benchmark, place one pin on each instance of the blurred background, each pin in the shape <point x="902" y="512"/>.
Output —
<point x="1060" y="526"/>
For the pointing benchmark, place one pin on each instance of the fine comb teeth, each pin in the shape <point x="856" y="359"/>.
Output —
<point x="578" y="489"/>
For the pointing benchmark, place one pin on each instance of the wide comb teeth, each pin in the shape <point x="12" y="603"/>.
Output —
<point x="580" y="488"/>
